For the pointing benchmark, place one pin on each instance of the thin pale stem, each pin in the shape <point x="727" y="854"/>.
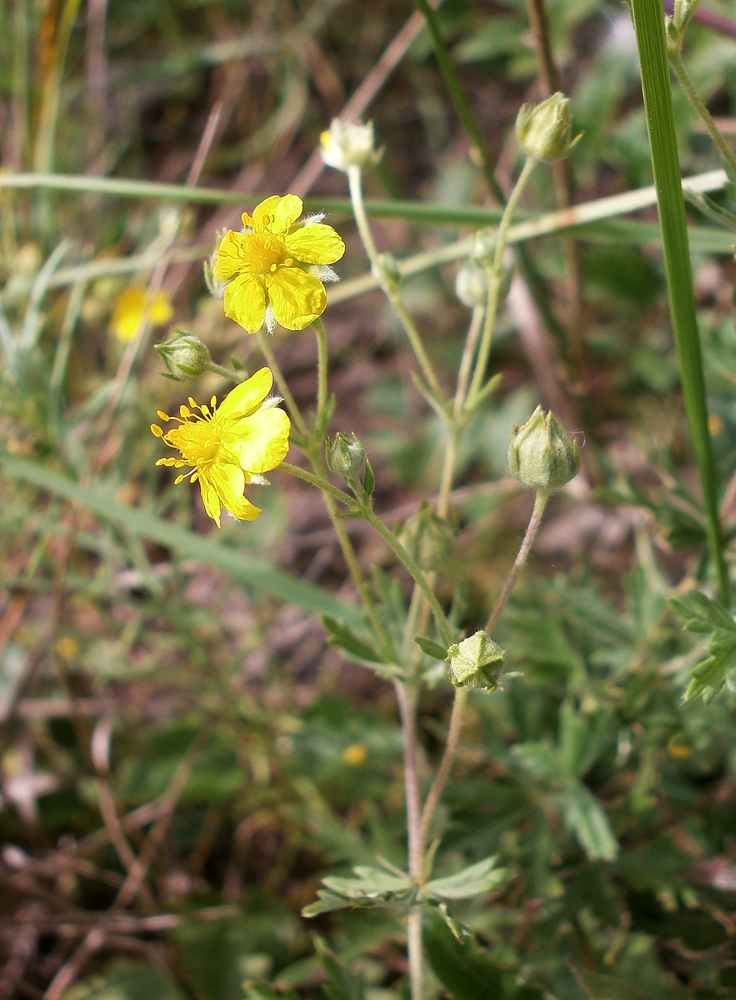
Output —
<point x="407" y="712"/>
<point x="364" y="229"/>
<point x="227" y="373"/>
<point x="268" y="354"/>
<point x="695" y="99"/>
<point x="496" y="278"/>
<point x="466" y="362"/>
<point x="319" y="482"/>
<point x="322" y="366"/>
<point x="540" y="502"/>
<point x="419" y="578"/>
<point x="443" y="771"/>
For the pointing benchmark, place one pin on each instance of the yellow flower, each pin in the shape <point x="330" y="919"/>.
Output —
<point x="355" y="755"/>
<point x="229" y="446"/>
<point x="275" y="267"/>
<point x="129" y="308"/>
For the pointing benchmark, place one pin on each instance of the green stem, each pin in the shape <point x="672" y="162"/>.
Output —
<point x="695" y="99"/>
<point x="419" y="578"/>
<point x="282" y="384"/>
<point x="322" y="366"/>
<point x="496" y="279"/>
<point x="319" y="482"/>
<point x="652" y="44"/>
<point x="227" y="373"/>
<point x="443" y="771"/>
<point x="361" y="220"/>
<point x="540" y="502"/>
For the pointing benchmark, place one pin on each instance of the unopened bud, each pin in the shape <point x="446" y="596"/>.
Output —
<point x="544" y="130"/>
<point x="476" y="662"/>
<point x="427" y="538"/>
<point x="483" y="245"/>
<point x="471" y="284"/>
<point x="349" y="144"/>
<point x="542" y="454"/>
<point x="345" y="456"/>
<point x="185" y="356"/>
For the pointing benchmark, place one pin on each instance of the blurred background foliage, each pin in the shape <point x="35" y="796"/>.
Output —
<point x="182" y="756"/>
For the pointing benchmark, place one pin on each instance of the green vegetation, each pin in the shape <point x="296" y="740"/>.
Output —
<point x="454" y="719"/>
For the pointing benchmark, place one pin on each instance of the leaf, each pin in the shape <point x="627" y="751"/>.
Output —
<point x="369" y="478"/>
<point x="707" y="617"/>
<point x="343" y="984"/>
<point x="479" y="878"/>
<point x="250" y="572"/>
<point x="345" y="639"/>
<point x="588" y="822"/>
<point x="464" y="971"/>
<point x="370" y="887"/>
<point x="430" y="648"/>
<point x="127" y="980"/>
<point x="709" y="676"/>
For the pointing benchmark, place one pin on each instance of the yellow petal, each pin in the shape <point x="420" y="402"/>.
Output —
<point x="229" y="481"/>
<point x="246" y="397"/>
<point x="230" y="256"/>
<point x="210" y="498"/>
<point x="245" y="302"/>
<point x="263" y="440"/>
<point x="277" y="213"/>
<point x="297" y="298"/>
<point x="315" y="243"/>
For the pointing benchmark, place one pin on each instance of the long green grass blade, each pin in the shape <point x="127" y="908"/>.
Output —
<point x="254" y="574"/>
<point x="655" y="77"/>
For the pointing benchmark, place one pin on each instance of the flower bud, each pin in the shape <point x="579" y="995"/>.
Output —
<point x="428" y="538"/>
<point x="476" y="662"/>
<point x="543" y="130"/>
<point x="185" y="356"/>
<point x="483" y="245"/>
<point x="345" y="456"/>
<point x="542" y="454"/>
<point x="471" y="284"/>
<point x="349" y="144"/>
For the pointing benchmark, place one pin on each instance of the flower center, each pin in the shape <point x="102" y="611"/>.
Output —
<point x="264" y="252"/>
<point x="197" y="441"/>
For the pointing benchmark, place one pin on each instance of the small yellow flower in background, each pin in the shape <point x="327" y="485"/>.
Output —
<point x="129" y="308"/>
<point x="275" y="267"/>
<point x="355" y="755"/>
<point x="678" y="750"/>
<point x="230" y="445"/>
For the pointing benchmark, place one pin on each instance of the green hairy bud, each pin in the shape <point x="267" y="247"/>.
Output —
<point x="542" y="455"/>
<point x="185" y="356"/>
<point x="544" y="130"/>
<point x="476" y="662"/>
<point x="345" y="456"/>
<point x="471" y="284"/>
<point x="428" y="539"/>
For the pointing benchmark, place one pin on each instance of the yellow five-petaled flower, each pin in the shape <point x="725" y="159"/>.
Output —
<point x="230" y="445"/>
<point x="275" y="267"/>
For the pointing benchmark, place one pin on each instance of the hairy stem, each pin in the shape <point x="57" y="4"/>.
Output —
<point x="443" y="771"/>
<point x="496" y="279"/>
<point x="540" y="502"/>
<point x="268" y="354"/>
<point x="683" y="78"/>
<point x="322" y="363"/>
<point x="361" y="219"/>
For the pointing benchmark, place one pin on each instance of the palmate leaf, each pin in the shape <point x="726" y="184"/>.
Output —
<point x="707" y="617"/>
<point x="479" y="878"/>
<point x="370" y="887"/>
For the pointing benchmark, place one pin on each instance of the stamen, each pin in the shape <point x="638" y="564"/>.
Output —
<point x="213" y="402"/>
<point x="205" y="409"/>
<point x="184" y="411"/>
<point x="193" y="403"/>
<point x="179" y="479"/>
<point x="163" y="416"/>
<point x="156" y="431"/>
<point x="289" y="262"/>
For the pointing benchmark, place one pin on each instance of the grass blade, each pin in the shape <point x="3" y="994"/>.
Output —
<point x="655" y="77"/>
<point x="252" y="573"/>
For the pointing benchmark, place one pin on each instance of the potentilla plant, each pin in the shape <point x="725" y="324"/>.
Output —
<point x="273" y="272"/>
